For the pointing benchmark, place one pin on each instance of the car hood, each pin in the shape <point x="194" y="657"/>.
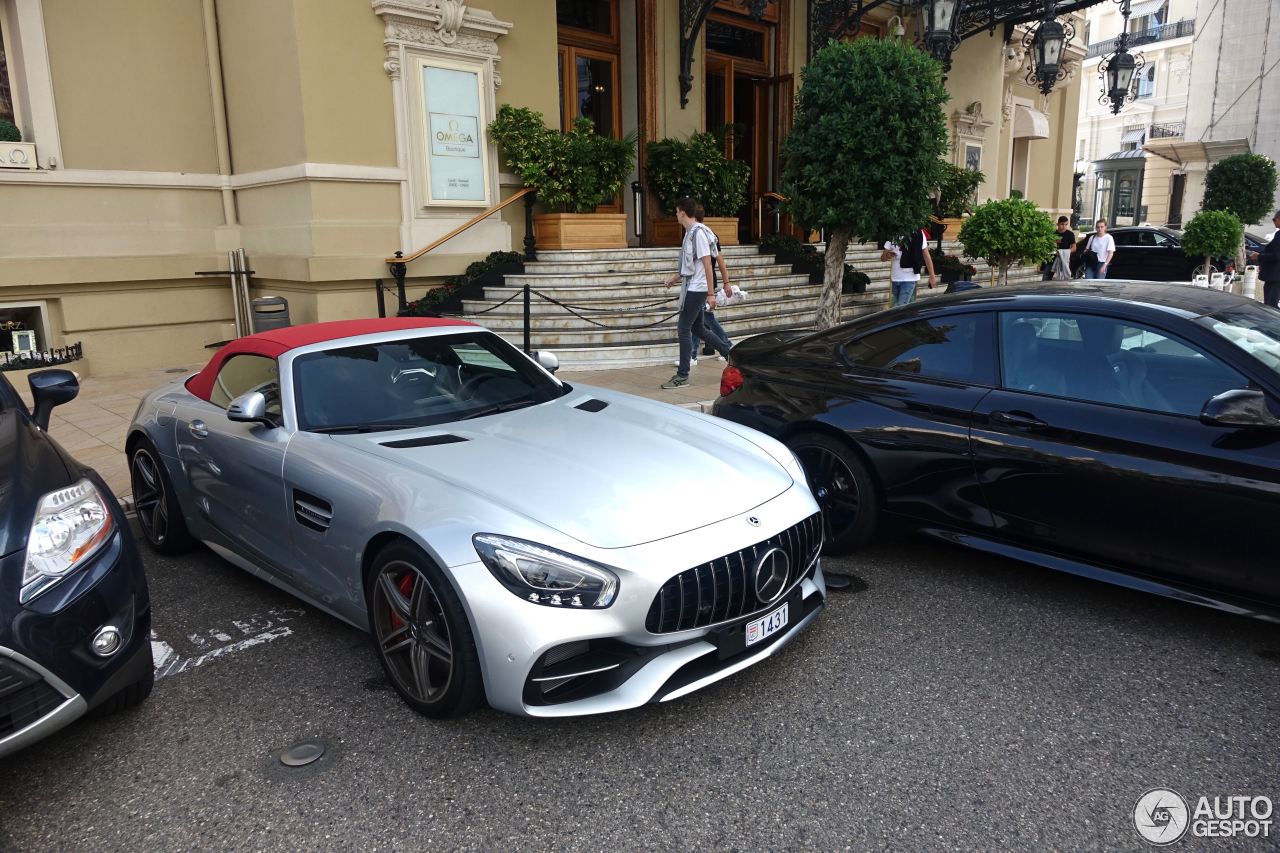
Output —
<point x="633" y="472"/>
<point x="30" y="466"/>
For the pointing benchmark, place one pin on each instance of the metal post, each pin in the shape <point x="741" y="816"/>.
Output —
<point x="527" y="347"/>
<point x="399" y="270"/>
<point x="235" y="295"/>
<point x="530" y="241"/>
<point x="241" y="279"/>
<point x="382" y="300"/>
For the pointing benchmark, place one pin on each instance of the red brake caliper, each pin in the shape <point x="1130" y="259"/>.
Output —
<point x="406" y="589"/>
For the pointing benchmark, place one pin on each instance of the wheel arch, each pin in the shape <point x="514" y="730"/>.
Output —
<point x="799" y="428"/>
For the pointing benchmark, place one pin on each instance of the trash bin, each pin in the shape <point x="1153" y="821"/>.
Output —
<point x="270" y="312"/>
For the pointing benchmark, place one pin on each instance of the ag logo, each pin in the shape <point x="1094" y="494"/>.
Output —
<point x="1161" y="816"/>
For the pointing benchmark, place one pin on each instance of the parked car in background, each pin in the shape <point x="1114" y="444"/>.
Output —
<point x="500" y="533"/>
<point x="1123" y="431"/>
<point x="75" y="615"/>
<point x="1154" y="253"/>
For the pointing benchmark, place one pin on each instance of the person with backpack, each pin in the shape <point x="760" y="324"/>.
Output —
<point x="1099" y="249"/>
<point x="696" y="294"/>
<point x="908" y="255"/>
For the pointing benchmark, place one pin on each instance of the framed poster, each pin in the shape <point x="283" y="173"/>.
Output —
<point x="457" y="147"/>
<point x="973" y="158"/>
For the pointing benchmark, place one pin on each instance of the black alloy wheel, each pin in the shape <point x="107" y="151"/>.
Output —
<point x="153" y="501"/>
<point x="421" y="634"/>
<point x="843" y="488"/>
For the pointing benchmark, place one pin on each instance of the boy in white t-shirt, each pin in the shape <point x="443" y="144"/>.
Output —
<point x="904" y="274"/>
<point x="695" y="294"/>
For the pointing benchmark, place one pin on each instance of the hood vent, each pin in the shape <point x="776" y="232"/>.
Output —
<point x="425" y="441"/>
<point x="592" y="405"/>
<point x="312" y="512"/>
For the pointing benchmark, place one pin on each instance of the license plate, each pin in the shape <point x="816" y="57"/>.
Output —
<point x="767" y="626"/>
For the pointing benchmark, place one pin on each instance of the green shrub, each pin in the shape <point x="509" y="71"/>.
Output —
<point x="9" y="131"/>
<point x="958" y="190"/>
<point x="1212" y="233"/>
<point x="1244" y="184"/>
<point x="1008" y="231"/>
<point x="951" y="267"/>
<point x="784" y="245"/>
<point x="572" y="172"/>
<point x="696" y="169"/>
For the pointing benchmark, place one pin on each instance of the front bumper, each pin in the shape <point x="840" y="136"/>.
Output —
<point x="618" y="662"/>
<point x="49" y="674"/>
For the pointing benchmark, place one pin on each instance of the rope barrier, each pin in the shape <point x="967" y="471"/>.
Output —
<point x="560" y="304"/>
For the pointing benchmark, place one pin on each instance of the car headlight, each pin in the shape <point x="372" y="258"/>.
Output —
<point x="69" y="527"/>
<point x="544" y="575"/>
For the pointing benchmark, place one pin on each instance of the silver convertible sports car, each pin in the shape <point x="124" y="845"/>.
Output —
<point x="501" y="534"/>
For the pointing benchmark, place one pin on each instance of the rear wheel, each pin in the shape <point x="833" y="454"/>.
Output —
<point x="154" y="501"/>
<point x="843" y="488"/>
<point x="421" y="633"/>
<point x="1204" y="269"/>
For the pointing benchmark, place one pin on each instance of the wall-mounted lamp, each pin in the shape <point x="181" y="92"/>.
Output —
<point x="896" y="29"/>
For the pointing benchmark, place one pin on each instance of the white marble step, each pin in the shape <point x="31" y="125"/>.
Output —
<point x="574" y="280"/>
<point x="639" y="292"/>
<point x="566" y="255"/>
<point x="656" y="266"/>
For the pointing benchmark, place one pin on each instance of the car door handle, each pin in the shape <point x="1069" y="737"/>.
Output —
<point x="198" y="429"/>
<point x="1018" y="420"/>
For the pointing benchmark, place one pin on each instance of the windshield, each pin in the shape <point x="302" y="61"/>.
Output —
<point x="415" y="382"/>
<point x="1254" y="329"/>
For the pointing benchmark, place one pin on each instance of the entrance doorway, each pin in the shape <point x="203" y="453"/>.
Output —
<point x="589" y="50"/>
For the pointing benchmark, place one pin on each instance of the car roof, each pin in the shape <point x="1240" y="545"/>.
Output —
<point x="276" y="342"/>
<point x="1123" y="296"/>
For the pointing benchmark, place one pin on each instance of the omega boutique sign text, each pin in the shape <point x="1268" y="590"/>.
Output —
<point x="456" y="147"/>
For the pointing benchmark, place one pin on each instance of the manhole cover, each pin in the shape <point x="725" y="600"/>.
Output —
<point x="302" y="754"/>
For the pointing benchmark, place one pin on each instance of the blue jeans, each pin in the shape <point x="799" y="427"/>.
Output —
<point x="690" y="326"/>
<point x="713" y="325"/>
<point x="904" y="292"/>
<point x="1091" y="271"/>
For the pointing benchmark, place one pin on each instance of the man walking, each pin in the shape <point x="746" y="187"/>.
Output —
<point x="1066" y="247"/>
<point x="695" y="295"/>
<point x="1268" y="261"/>
<point x="908" y="256"/>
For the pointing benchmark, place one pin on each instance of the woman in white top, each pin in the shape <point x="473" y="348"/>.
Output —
<point x="1103" y="247"/>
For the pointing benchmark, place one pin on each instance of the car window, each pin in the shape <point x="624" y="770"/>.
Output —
<point x="241" y="374"/>
<point x="1107" y="360"/>
<point x="955" y="347"/>
<point x="1162" y="240"/>
<point x="1124" y="238"/>
<point x="415" y="382"/>
<point x="1145" y="238"/>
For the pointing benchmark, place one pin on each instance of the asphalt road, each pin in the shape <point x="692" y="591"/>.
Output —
<point x="960" y="702"/>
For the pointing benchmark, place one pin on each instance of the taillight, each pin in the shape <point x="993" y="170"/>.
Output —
<point x="730" y="381"/>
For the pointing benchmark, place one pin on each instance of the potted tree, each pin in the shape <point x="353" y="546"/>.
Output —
<point x="1008" y="231"/>
<point x="957" y="191"/>
<point x="1245" y="185"/>
<point x="697" y="169"/>
<point x="1213" y="234"/>
<point x="572" y="173"/>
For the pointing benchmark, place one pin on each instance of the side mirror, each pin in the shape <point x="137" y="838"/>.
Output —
<point x="51" y="388"/>
<point x="250" y="408"/>
<point x="548" y="360"/>
<point x="1243" y="408"/>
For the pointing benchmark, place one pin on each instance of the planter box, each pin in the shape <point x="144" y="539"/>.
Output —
<point x="580" y="230"/>
<point x="667" y="231"/>
<point x="951" y="227"/>
<point x="18" y="155"/>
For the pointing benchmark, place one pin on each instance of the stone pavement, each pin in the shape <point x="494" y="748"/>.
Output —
<point x="92" y="427"/>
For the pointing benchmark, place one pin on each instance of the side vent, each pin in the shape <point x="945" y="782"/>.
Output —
<point x="312" y="512"/>
<point x="425" y="441"/>
<point x="592" y="405"/>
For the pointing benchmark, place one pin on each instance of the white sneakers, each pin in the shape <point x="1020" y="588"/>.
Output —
<point x="693" y="362"/>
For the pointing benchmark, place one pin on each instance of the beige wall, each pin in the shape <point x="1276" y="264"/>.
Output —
<point x="131" y="82"/>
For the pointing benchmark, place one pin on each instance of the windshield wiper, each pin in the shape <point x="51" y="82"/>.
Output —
<point x="498" y="408"/>
<point x="352" y="429"/>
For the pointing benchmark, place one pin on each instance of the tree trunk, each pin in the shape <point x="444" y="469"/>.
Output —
<point x="833" y="279"/>
<point x="1208" y="267"/>
<point x="1004" y="273"/>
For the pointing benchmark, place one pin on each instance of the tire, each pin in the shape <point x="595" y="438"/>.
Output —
<point x="134" y="694"/>
<point x="421" y="634"/>
<point x="154" y="502"/>
<point x="1200" y="269"/>
<point x="844" y="489"/>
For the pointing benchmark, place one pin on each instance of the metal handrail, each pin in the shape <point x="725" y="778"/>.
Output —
<point x="398" y="265"/>
<point x="760" y="209"/>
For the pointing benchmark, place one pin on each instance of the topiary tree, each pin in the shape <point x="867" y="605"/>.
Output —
<point x="864" y="154"/>
<point x="1008" y="231"/>
<point x="1212" y="233"/>
<point x="1244" y="184"/>
<point x="9" y="131"/>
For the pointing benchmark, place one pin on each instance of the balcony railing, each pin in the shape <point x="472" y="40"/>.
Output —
<point x="1167" y="130"/>
<point x="1173" y="30"/>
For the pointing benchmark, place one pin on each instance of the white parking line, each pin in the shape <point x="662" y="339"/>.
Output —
<point x="255" y="630"/>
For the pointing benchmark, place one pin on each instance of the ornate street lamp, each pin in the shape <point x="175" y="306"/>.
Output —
<point x="1120" y="69"/>
<point x="941" y="28"/>
<point x="1046" y="42"/>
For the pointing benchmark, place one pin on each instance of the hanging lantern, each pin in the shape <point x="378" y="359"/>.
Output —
<point x="1046" y="43"/>
<point x="941" y="28"/>
<point x="1120" y="69"/>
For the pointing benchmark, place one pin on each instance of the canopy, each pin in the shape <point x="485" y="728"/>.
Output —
<point x="1030" y="123"/>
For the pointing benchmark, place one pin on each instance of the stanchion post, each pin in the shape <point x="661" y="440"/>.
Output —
<point x="530" y="239"/>
<point x="527" y="348"/>
<point x="399" y="269"/>
<point x="382" y="300"/>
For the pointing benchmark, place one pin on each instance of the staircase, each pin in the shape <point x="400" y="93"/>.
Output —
<point x="613" y="294"/>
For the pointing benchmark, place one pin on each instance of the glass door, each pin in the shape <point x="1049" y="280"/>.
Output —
<point x="590" y="56"/>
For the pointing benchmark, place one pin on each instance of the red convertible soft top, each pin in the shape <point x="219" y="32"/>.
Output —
<point x="274" y="343"/>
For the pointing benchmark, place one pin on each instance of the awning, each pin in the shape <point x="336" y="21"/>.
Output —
<point x="1145" y="7"/>
<point x="1137" y="134"/>
<point x="1196" y="152"/>
<point x="1029" y="123"/>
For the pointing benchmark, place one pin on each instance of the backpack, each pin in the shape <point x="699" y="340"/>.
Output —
<point x="912" y="252"/>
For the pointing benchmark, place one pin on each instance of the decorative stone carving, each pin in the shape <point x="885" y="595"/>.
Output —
<point x="447" y="26"/>
<point x="968" y="126"/>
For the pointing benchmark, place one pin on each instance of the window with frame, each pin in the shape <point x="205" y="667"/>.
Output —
<point x="1147" y="82"/>
<point x="590" y="62"/>
<point x="7" y="111"/>
<point x="955" y="347"/>
<point x="243" y="373"/>
<point x="1110" y="361"/>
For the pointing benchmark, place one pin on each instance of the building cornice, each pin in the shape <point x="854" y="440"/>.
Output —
<point x="344" y="172"/>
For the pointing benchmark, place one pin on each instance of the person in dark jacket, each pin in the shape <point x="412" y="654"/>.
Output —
<point x="1268" y="261"/>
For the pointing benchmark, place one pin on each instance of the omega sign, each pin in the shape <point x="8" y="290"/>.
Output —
<point x="454" y="135"/>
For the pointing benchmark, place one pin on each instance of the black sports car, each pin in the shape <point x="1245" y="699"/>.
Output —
<point x="1125" y="431"/>
<point x="75" y="616"/>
